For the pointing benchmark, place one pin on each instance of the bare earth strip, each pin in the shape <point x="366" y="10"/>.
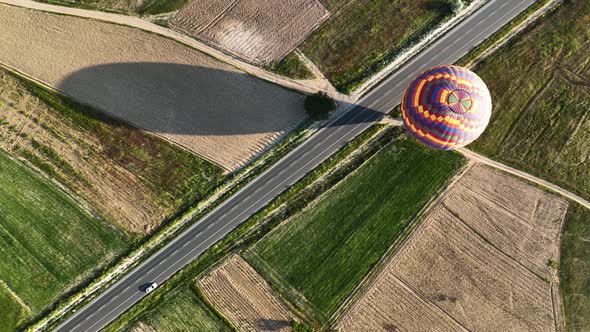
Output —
<point x="254" y="30"/>
<point x="480" y="257"/>
<point x="160" y="85"/>
<point x="244" y="297"/>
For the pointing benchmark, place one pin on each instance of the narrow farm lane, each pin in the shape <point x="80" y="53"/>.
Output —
<point x="307" y="86"/>
<point x="546" y="184"/>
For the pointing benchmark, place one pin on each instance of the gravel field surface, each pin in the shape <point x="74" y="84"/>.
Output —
<point x="155" y="83"/>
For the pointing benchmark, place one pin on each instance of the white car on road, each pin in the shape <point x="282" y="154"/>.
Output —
<point x="150" y="288"/>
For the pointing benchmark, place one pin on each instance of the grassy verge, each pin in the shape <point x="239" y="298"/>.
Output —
<point x="181" y="310"/>
<point x="155" y="7"/>
<point x="48" y="242"/>
<point x="291" y="66"/>
<point x="247" y="233"/>
<point x="11" y="311"/>
<point x="574" y="270"/>
<point x="325" y="252"/>
<point x="480" y="49"/>
<point x="540" y="85"/>
<point x="362" y="37"/>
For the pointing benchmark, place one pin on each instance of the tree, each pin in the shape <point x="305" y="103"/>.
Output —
<point x="299" y="327"/>
<point x="457" y="6"/>
<point x="319" y="105"/>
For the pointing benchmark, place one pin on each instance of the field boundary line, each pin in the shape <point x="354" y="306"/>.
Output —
<point x="556" y="299"/>
<point x="16" y="297"/>
<point x="415" y="225"/>
<point x="557" y="307"/>
<point x="315" y="71"/>
<point x="544" y="183"/>
<point x="279" y="285"/>
<point x="218" y="17"/>
<point x="77" y="200"/>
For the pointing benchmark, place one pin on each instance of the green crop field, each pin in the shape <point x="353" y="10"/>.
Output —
<point x="292" y="66"/>
<point x="11" y="311"/>
<point x="48" y="243"/>
<point x="574" y="268"/>
<point x="181" y="311"/>
<point x="540" y="85"/>
<point x="362" y="36"/>
<point x="325" y="252"/>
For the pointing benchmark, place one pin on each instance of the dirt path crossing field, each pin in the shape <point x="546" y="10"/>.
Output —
<point x="158" y="84"/>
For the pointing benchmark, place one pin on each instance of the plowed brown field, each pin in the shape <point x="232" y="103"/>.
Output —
<point x="479" y="261"/>
<point x="259" y="31"/>
<point x="157" y="84"/>
<point x="239" y="293"/>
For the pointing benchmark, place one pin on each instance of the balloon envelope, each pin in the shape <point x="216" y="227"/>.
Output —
<point x="446" y="107"/>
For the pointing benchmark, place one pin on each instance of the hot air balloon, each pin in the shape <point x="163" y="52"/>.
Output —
<point x="446" y="107"/>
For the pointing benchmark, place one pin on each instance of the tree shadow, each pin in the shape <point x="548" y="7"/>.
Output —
<point x="264" y="324"/>
<point x="443" y="7"/>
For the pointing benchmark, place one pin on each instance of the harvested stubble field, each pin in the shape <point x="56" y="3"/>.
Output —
<point x="130" y="7"/>
<point x="131" y="178"/>
<point x="480" y="261"/>
<point x="360" y="37"/>
<point x="318" y="258"/>
<point x="257" y="31"/>
<point x="241" y="295"/>
<point x="49" y="244"/>
<point x="155" y="83"/>
<point x="574" y="268"/>
<point x="540" y="84"/>
<point x="182" y="310"/>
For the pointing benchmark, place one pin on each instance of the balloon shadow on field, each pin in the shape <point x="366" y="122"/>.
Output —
<point x="187" y="100"/>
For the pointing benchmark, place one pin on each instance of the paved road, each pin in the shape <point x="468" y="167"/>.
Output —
<point x="213" y="227"/>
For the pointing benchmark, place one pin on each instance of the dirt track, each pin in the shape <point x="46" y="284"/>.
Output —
<point x="258" y="31"/>
<point x="245" y="298"/>
<point x="480" y="256"/>
<point x="158" y="84"/>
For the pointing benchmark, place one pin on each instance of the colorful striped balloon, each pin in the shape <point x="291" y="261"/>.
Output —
<point x="446" y="107"/>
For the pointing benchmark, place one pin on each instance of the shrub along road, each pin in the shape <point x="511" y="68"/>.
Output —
<point x="214" y="226"/>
